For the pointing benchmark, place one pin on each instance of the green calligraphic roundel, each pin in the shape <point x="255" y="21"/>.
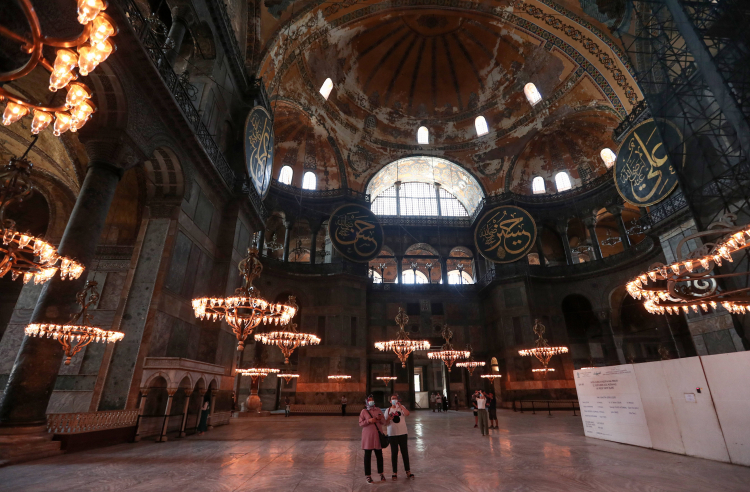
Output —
<point x="259" y="149"/>
<point x="505" y="234"/>
<point x="356" y="233"/>
<point x="644" y="173"/>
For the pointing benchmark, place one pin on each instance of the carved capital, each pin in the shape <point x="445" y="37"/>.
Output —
<point x="144" y="392"/>
<point x="171" y="391"/>
<point x="112" y="147"/>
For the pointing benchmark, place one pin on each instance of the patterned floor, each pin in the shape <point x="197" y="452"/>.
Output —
<point x="532" y="453"/>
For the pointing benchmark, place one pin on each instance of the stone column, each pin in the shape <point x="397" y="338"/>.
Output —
<point x="34" y="372"/>
<point x="590" y="223"/>
<point x="141" y="409"/>
<point x="617" y="212"/>
<point x="188" y="392"/>
<point x="542" y="259"/>
<point x="211" y="410"/>
<point x="261" y="240"/>
<point x="170" y="393"/>
<point x="314" y="242"/>
<point x="444" y="269"/>
<point x="410" y="375"/>
<point x="562" y="229"/>
<point x="288" y="224"/>
<point x="176" y="34"/>
<point x="437" y="197"/>
<point x="399" y="269"/>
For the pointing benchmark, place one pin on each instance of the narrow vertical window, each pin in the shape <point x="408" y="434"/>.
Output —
<point x="309" y="181"/>
<point x="423" y="135"/>
<point x="532" y="94"/>
<point x="481" y="125"/>
<point x="562" y="181"/>
<point x="537" y="185"/>
<point x="326" y="88"/>
<point x="286" y="174"/>
<point x="608" y="157"/>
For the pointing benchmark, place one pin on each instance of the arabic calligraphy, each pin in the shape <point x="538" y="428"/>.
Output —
<point x="356" y="233"/>
<point x="259" y="149"/>
<point x="505" y="234"/>
<point x="644" y="174"/>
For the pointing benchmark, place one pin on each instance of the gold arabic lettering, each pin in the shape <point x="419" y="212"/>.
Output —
<point x="642" y="166"/>
<point x="357" y="231"/>
<point x="506" y="235"/>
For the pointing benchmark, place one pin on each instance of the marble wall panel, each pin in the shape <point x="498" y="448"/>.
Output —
<point x="69" y="401"/>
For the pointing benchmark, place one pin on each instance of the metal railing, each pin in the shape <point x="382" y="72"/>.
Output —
<point x="334" y="193"/>
<point x="541" y="404"/>
<point x="80" y="422"/>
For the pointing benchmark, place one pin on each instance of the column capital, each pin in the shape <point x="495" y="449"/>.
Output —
<point x="589" y="221"/>
<point x="172" y="391"/>
<point x="112" y="147"/>
<point x="615" y="209"/>
<point x="144" y="392"/>
<point x="188" y="392"/>
<point x="202" y="392"/>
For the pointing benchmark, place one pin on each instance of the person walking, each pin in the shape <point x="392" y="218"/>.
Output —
<point x="395" y="417"/>
<point x="433" y="399"/>
<point x="287" y="406"/>
<point x="203" y="423"/>
<point x="344" y="401"/>
<point x="493" y="410"/>
<point x="371" y="420"/>
<point x="455" y="401"/>
<point x="482" y="411"/>
<point x="439" y="402"/>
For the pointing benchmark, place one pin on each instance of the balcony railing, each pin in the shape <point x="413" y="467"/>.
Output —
<point x="334" y="193"/>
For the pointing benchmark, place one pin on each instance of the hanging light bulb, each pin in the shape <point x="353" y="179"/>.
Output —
<point x="41" y="120"/>
<point x="704" y="263"/>
<point x="77" y="93"/>
<point x="101" y="29"/>
<point x="80" y="115"/>
<point x="62" y="123"/>
<point x="89" y="9"/>
<point x="58" y="80"/>
<point x="65" y="61"/>
<point x="92" y="56"/>
<point x="13" y="112"/>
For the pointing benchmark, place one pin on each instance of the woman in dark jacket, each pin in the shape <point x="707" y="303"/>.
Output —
<point x="203" y="424"/>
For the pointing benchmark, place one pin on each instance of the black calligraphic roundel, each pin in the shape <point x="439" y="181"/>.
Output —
<point x="505" y="234"/>
<point x="259" y="149"/>
<point x="644" y="173"/>
<point x="356" y="233"/>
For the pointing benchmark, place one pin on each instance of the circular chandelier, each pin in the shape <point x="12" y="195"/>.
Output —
<point x="290" y="339"/>
<point x="491" y="377"/>
<point x="543" y="369"/>
<point x="93" y="47"/>
<point x="288" y="376"/>
<point x="22" y="254"/>
<point x="470" y="364"/>
<point x="245" y="310"/>
<point x="402" y="345"/>
<point x="386" y="379"/>
<point x="73" y="337"/>
<point x="542" y="351"/>
<point x="257" y="373"/>
<point x="691" y="283"/>
<point x="447" y="353"/>
<point x="339" y="377"/>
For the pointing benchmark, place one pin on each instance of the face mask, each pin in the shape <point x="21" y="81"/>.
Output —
<point x="370" y="403"/>
<point x="394" y="402"/>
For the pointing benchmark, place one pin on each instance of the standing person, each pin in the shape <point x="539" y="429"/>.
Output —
<point x="493" y="410"/>
<point x="371" y="419"/>
<point x="446" y="402"/>
<point x="474" y="408"/>
<point x="455" y="401"/>
<point x="395" y="416"/>
<point x="482" y="410"/>
<point x="203" y="424"/>
<point x="287" y="406"/>
<point x="439" y="402"/>
<point x="344" y="401"/>
<point x="433" y="399"/>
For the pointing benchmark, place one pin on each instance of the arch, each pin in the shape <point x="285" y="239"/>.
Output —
<point x="408" y="277"/>
<point x="286" y="175"/>
<point x="309" y="181"/>
<point x="462" y="251"/>
<point x="420" y="249"/>
<point x="155" y="377"/>
<point x="213" y="385"/>
<point x="186" y="378"/>
<point x="562" y="181"/>
<point x="423" y="135"/>
<point x="552" y="246"/>
<point x="164" y="177"/>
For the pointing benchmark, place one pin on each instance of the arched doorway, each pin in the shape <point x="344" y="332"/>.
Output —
<point x="587" y="344"/>
<point x="649" y="337"/>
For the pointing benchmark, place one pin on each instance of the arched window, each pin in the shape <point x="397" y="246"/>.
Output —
<point x="481" y="125"/>
<point x="408" y="277"/>
<point x="376" y="278"/>
<point x="562" y="181"/>
<point x="419" y="199"/>
<point x="423" y="135"/>
<point x="454" y="279"/>
<point x="537" y="185"/>
<point x="326" y="88"/>
<point x="309" y="181"/>
<point x="608" y="157"/>
<point x="286" y="174"/>
<point x="532" y="94"/>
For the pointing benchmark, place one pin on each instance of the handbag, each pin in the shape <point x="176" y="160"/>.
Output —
<point x="384" y="442"/>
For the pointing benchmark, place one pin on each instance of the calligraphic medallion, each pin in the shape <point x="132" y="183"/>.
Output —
<point x="505" y="234"/>
<point x="356" y="233"/>
<point x="259" y="149"/>
<point x="644" y="174"/>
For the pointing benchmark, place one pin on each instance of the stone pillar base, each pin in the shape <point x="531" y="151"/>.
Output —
<point x="19" y="444"/>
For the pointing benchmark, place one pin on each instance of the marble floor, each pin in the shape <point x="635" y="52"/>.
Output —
<point x="532" y="453"/>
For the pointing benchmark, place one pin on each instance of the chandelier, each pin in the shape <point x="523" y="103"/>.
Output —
<point x="73" y="337"/>
<point x="245" y="310"/>
<point x="491" y="377"/>
<point x="290" y="339"/>
<point x="93" y="45"/>
<point x="691" y="283"/>
<point x="22" y="254"/>
<point x="386" y="379"/>
<point x="544" y="369"/>
<point x="447" y="353"/>
<point x="257" y="373"/>
<point x="288" y="376"/>
<point x="542" y="351"/>
<point x="402" y="345"/>
<point x="470" y="364"/>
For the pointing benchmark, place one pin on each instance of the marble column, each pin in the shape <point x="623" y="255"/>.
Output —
<point x="288" y="224"/>
<point x="188" y="392"/>
<point x="141" y="409"/>
<point x="211" y="410"/>
<point x="539" y="251"/>
<point x="170" y="398"/>
<point x="32" y="379"/>
<point x="444" y="269"/>
<point x="590" y="223"/>
<point x="562" y="229"/>
<point x="314" y="244"/>
<point x="617" y="212"/>
<point x="399" y="269"/>
<point x="176" y="34"/>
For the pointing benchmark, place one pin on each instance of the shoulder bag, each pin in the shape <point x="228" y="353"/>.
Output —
<point x="383" y="438"/>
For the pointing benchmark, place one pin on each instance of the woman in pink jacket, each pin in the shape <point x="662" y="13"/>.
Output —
<point x="371" y="420"/>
